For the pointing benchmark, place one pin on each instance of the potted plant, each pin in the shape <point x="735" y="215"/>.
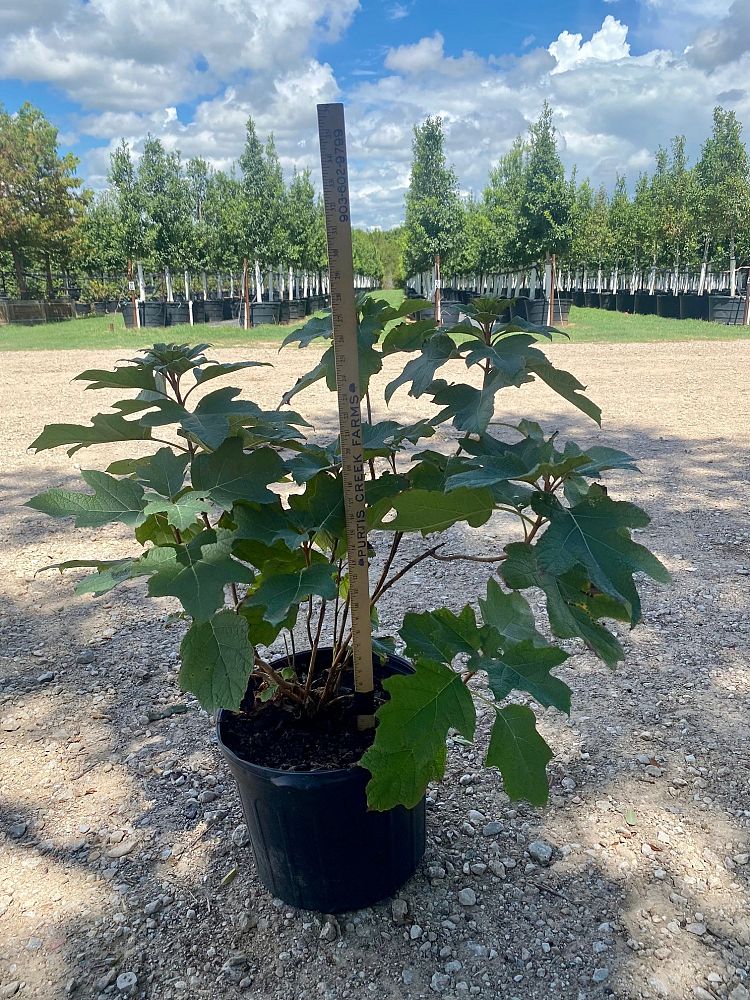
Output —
<point x="239" y="515"/>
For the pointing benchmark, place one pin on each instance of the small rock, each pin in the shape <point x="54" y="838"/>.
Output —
<point x="10" y="989"/>
<point x="741" y="859"/>
<point x="439" y="982"/>
<point x="600" y="975"/>
<point x="702" y="994"/>
<point x="106" y="980"/>
<point x="568" y="785"/>
<point x="86" y="656"/>
<point x="454" y="966"/>
<point x="240" y="836"/>
<point x="407" y="977"/>
<point x="697" y="928"/>
<point x="540" y="851"/>
<point x="467" y="897"/>
<point x="126" y="982"/>
<point x="329" y="930"/>
<point x="476" y="817"/>
<point x="206" y="797"/>
<point x="17" y="830"/>
<point x="399" y="910"/>
<point x="599" y="947"/>
<point x="497" y="868"/>
<point x="415" y="932"/>
<point x="739" y="993"/>
<point x="492" y="829"/>
<point x="120" y="850"/>
<point x="153" y="907"/>
<point x="46" y="677"/>
<point x="477" y="868"/>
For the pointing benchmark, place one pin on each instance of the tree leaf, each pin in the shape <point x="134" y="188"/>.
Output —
<point x="520" y="753"/>
<point x="595" y="534"/>
<point x="427" y="511"/>
<point x="509" y="615"/>
<point x="279" y="592"/>
<point x="196" y="574"/>
<point x="136" y="376"/>
<point x="109" y="574"/>
<point x="573" y="610"/>
<point x="524" y="666"/>
<point x="163" y="472"/>
<point x="216" y="370"/>
<point x="564" y="384"/>
<point x="471" y="408"/>
<point x="266" y="523"/>
<point x="320" y="508"/>
<point x="409" y="747"/>
<point x="313" y="329"/>
<point x="105" y="428"/>
<point x="183" y="511"/>
<point x="112" y="500"/>
<point x="407" y="336"/>
<point x="217" y="659"/>
<point x="440" y="635"/>
<point x="420" y="371"/>
<point x="229" y="474"/>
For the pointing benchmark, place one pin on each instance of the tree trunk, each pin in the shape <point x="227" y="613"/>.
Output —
<point x="258" y="284"/>
<point x="704" y="267"/>
<point x="48" y="278"/>
<point x="246" y="293"/>
<point x="23" y="288"/>
<point x="548" y="278"/>
<point x="438" y="310"/>
<point x="188" y="299"/>
<point x="732" y="268"/>
<point x="141" y="282"/>
<point x="231" y="284"/>
<point x="168" y="282"/>
<point x="204" y="281"/>
<point x="270" y="284"/>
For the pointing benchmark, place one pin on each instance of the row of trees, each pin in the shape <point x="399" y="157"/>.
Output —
<point x="161" y="212"/>
<point x="173" y="215"/>
<point x="678" y="216"/>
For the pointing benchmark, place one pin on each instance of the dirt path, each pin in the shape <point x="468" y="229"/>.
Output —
<point x="116" y="828"/>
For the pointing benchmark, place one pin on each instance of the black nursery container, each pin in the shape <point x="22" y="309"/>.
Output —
<point x="520" y="307"/>
<point x="579" y="298"/>
<point x="694" y="306"/>
<point x="177" y="312"/>
<point x="153" y="313"/>
<point x="645" y="304"/>
<point x="668" y="306"/>
<point x="213" y="310"/>
<point x="624" y="301"/>
<point x="593" y="300"/>
<point x="316" y="844"/>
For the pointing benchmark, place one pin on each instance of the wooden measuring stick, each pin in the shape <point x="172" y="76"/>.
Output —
<point x="333" y="162"/>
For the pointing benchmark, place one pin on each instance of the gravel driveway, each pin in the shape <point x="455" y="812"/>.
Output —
<point x="120" y="831"/>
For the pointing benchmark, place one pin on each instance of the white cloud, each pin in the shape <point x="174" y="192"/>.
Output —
<point x="724" y="42"/>
<point x="606" y="45"/>
<point x="399" y="11"/>
<point x="111" y="55"/>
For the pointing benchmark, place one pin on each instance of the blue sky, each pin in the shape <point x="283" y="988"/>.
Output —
<point x="622" y="77"/>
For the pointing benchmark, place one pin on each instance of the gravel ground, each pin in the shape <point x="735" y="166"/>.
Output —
<point x="119" y="825"/>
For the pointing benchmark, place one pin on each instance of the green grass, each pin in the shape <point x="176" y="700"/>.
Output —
<point x="593" y="326"/>
<point x="94" y="333"/>
<point x="597" y="326"/>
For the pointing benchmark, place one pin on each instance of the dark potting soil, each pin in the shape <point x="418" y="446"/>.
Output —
<point x="277" y="735"/>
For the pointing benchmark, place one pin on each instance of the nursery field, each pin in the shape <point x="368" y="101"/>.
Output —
<point x="122" y="845"/>
<point x="586" y="326"/>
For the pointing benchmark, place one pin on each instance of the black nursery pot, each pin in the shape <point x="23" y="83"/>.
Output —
<point x="316" y="844"/>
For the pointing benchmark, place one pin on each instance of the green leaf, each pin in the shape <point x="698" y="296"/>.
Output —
<point x="313" y="329"/>
<point x="407" y="336"/>
<point x="520" y="753"/>
<point x="216" y="370"/>
<point x="471" y="408"/>
<point x="157" y="529"/>
<point x="320" y="508"/>
<point x="266" y="523"/>
<point x="196" y="574"/>
<point x="440" y="635"/>
<point x="265" y="633"/>
<point x="183" y="511"/>
<point x="420" y="371"/>
<point x="564" y="384"/>
<point x="509" y="615"/>
<point x="370" y="363"/>
<point x="106" y="428"/>
<point x="278" y="593"/>
<point x="524" y="666"/>
<point x="136" y="376"/>
<point x="217" y="659"/>
<point x="601" y="459"/>
<point x="427" y="511"/>
<point x="595" y="534"/>
<point x="310" y="461"/>
<point x="409" y="748"/>
<point x="573" y="610"/>
<point x="113" y="500"/>
<point x="109" y="573"/>
<point x="216" y="416"/>
<point x="164" y="472"/>
<point x="229" y="474"/>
